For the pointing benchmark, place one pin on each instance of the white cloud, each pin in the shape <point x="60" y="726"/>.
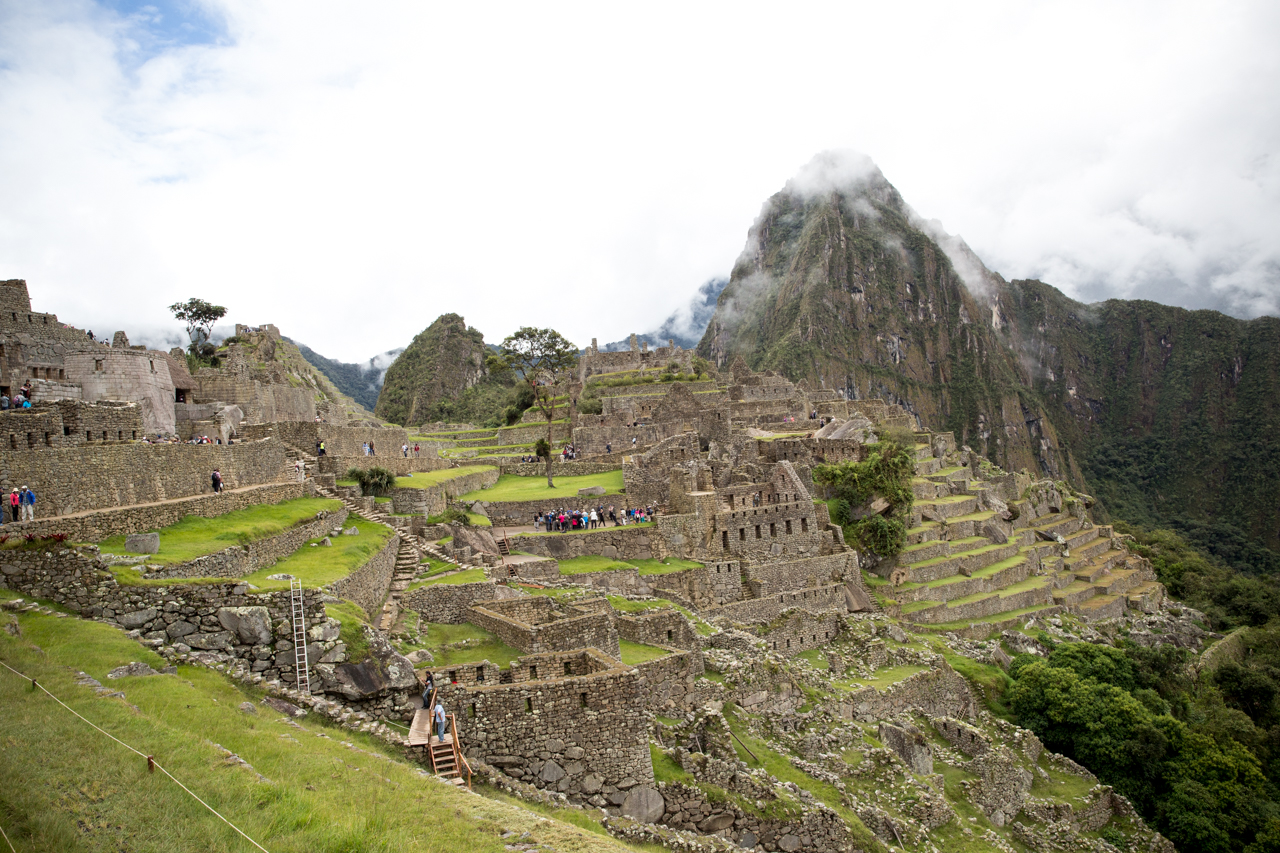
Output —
<point x="350" y="172"/>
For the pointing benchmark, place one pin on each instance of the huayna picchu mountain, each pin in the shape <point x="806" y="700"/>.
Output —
<point x="1168" y="414"/>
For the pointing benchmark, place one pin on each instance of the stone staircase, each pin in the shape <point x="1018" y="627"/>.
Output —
<point x="408" y="561"/>
<point x="965" y="563"/>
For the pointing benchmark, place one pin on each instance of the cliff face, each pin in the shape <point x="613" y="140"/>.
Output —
<point x="1169" y="416"/>
<point x="1175" y="412"/>
<point x="843" y="285"/>
<point x="443" y="361"/>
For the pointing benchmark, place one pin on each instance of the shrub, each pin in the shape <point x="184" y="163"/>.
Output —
<point x="374" y="482"/>
<point x="881" y="536"/>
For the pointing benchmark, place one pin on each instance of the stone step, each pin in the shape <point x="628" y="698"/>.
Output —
<point x="947" y="507"/>
<point x="1119" y="581"/>
<point x="1091" y="548"/>
<point x="1058" y="522"/>
<point x="923" y="451"/>
<point x="924" y="467"/>
<point x="926" y="532"/>
<point x="1030" y="593"/>
<point x="953" y="474"/>
<point x="1076" y="593"/>
<point x="992" y="579"/>
<point x="971" y="561"/>
<point x="926" y="490"/>
<point x="1097" y="567"/>
<point x="1101" y="607"/>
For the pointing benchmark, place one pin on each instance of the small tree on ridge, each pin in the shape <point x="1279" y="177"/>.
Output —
<point x="541" y="357"/>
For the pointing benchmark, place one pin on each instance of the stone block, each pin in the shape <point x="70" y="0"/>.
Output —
<point x="644" y="804"/>
<point x="250" y="624"/>
<point x="591" y="490"/>
<point x="137" y="618"/>
<point x="142" y="543"/>
<point x="217" y="640"/>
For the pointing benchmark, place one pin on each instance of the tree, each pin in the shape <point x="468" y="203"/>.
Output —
<point x="541" y="357"/>
<point x="199" y="317"/>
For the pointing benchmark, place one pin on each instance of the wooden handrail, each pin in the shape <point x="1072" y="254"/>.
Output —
<point x="457" y="749"/>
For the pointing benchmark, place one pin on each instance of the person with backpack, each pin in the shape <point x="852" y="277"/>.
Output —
<point x="216" y="478"/>
<point x="27" y="500"/>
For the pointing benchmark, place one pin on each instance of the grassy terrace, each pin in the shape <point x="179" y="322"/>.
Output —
<point x="320" y="565"/>
<point x="514" y="488"/>
<point x="592" y="563"/>
<point x="634" y="653"/>
<point x="581" y="532"/>
<point x="625" y="605"/>
<point x="465" y="576"/>
<point x="195" y="536"/>
<point x="427" y="479"/>
<point x="465" y="643"/>
<point x="66" y="787"/>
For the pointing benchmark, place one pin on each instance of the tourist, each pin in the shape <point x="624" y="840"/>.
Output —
<point x="404" y="448"/>
<point x="608" y="448"/>
<point x="4" y="402"/>
<point x="594" y="520"/>
<point x="416" y="450"/>
<point x="300" y="468"/>
<point x="440" y="721"/>
<point x="428" y="687"/>
<point x="14" y="504"/>
<point x="26" y="403"/>
<point x="27" y="500"/>
<point x="372" y="452"/>
<point x="216" y="477"/>
<point x="364" y="449"/>
<point x="613" y="516"/>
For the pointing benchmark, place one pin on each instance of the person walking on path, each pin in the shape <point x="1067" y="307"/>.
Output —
<point x="417" y="450"/>
<point x="428" y="688"/>
<point x="27" y="500"/>
<point x="440" y="721"/>
<point x="14" y="504"/>
<point x="404" y="448"/>
<point x="216" y="478"/>
<point x="300" y="469"/>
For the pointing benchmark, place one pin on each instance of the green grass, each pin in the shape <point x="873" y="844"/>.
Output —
<point x="477" y="520"/>
<point x="625" y="605"/>
<point x="465" y="576"/>
<point x="884" y="678"/>
<point x="815" y="657"/>
<point x="320" y="565"/>
<point x="634" y="653"/>
<point x="66" y="787"/>
<point x="353" y="619"/>
<point x="514" y="488"/>
<point x="590" y="563"/>
<point x="664" y="567"/>
<point x="427" y="479"/>
<point x="195" y="536"/>
<point x="488" y="647"/>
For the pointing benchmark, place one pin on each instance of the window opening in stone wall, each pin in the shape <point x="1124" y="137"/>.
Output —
<point x="788" y="527"/>
<point x="533" y="672"/>
<point x="758" y="532"/>
<point x="47" y="440"/>
<point x="471" y="710"/>
<point x="13" y="441"/>
<point x="88" y="436"/>
<point x="453" y="676"/>
<point x="97" y="364"/>
<point x="528" y="706"/>
<point x="804" y="525"/>
<point x="568" y="668"/>
<point x="479" y="675"/>
<point x="135" y="435"/>
<point x="35" y="373"/>
<point x="31" y="440"/>
<point x="671" y="635"/>
<point x="120" y="435"/>
<point x="742" y="534"/>
<point x="66" y="431"/>
<point x="62" y="374"/>
<point x="153" y="366"/>
<point x="724" y="542"/>
<point x="582" y="700"/>
<point x="773" y="530"/>
<point x="104" y="435"/>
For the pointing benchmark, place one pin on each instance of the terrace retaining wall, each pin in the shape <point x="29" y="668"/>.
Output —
<point x="240" y="560"/>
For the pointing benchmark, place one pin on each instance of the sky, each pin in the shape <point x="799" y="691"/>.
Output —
<point x="351" y="171"/>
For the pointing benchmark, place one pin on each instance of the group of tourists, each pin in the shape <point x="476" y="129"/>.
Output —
<point x="369" y="449"/>
<point x="572" y="520"/>
<point x="406" y="450"/>
<point x="568" y="452"/>
<point x="20" y="400"/>
<point x="22" y="505"/>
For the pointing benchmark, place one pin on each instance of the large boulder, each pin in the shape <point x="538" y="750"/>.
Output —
<point x="644" y="804"/>
<point x="252" y="625"/>
<point x="142" y="543"/>
<point x="137" y="618"/>
<point x="385" y="670"/>
<point x="478" y="539"/>
<point x="910" y="744"/>
<point x="591" y="490"/>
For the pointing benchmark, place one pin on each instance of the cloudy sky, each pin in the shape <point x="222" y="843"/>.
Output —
<point x="349" y="171"/>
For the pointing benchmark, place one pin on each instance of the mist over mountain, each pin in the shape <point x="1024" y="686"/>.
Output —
<point x="686" y="324"/>
<point x="1167" y="415"/>
<point x="362" y="382"/>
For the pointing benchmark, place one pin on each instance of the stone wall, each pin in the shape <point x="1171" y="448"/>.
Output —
<point x="800" y="631"/>
<point x="615" y="582"/>
<point x="938" y="692"/>
<point x="240" y="560"/>
<point x="535" y="625"/>
<point x="817" y="599"/>
<point x="769" y="578"/>
<point x="96" y="526"/>
<point x="138" y="376"/>
<point x="450" y="603"/>
<point x="518" y="513"/>
<point x="667" y="684"/>
<point x="581" y="735"/>
<point x="221" y="618"/>
<point x="399" y="465"/>
<point x="664" y="627"/>
<point x="367" y="586"/>
<point x="710" y="586"/>
<point x="433" y="499"/>
<point x="625" y="543"/>
<point x="69" y="480"/>
<point x="339" y="440"/>
<point x="67" y="423"/>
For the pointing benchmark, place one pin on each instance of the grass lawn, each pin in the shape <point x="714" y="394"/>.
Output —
<point x="466" y="576"/>
<point x="195" y="536"/>
<point x="884" y="678"/>
<point x="664" y="567"/>
<point x="634" y="653"/>
<point x="66" y="787"/>
<point x="626" y="605"/>
<point x="514" y="488"/>
<point x="320" y="565"/>
<point x="427" y="479"/>
<point x="487" y="646"/>
<point x="591" y="563"/>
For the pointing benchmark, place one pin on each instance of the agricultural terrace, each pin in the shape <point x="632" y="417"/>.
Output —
<point x="196" y="536"/>
<point x="511" y="487"/>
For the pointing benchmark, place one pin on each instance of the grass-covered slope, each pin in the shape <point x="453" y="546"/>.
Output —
<point x="304" y="786"/>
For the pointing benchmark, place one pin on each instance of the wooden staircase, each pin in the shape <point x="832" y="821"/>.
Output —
<point x="447" y="760"/>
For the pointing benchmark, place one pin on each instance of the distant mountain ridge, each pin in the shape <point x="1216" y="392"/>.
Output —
<point x="686" y="324"/>
<point x="361" y="382"/>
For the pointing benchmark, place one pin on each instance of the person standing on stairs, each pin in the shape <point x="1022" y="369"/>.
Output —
<point x="440" y="721"/>
<point x="300" y="469"/>
<point x="428" y="688"/>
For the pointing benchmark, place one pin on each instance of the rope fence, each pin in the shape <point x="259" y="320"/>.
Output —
<point x="152" y="764"/>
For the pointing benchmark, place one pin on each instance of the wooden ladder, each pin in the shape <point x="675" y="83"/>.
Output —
<point x="447" y="760"/>
<point x="300" y="663"/>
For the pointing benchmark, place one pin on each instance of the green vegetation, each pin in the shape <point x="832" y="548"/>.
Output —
<point x="465" y="576"/>
<point x="426" y="479"/>
<point x="373" y="481"/>
<point x="352" y="635"/>
<point x="635" y="653"/>
<point x="511" y="487"/>
<point x="317" y="566"/>
<point x="592" y="563"/>
<point x="195" y="536"/>
<point x="66" y="787"/>
<point x="465" y="643"/>
<point x="884" y="475"/>
<point x="626" y="605"/>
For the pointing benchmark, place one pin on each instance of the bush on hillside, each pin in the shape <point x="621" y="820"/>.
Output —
<point x="374" y="482"/>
